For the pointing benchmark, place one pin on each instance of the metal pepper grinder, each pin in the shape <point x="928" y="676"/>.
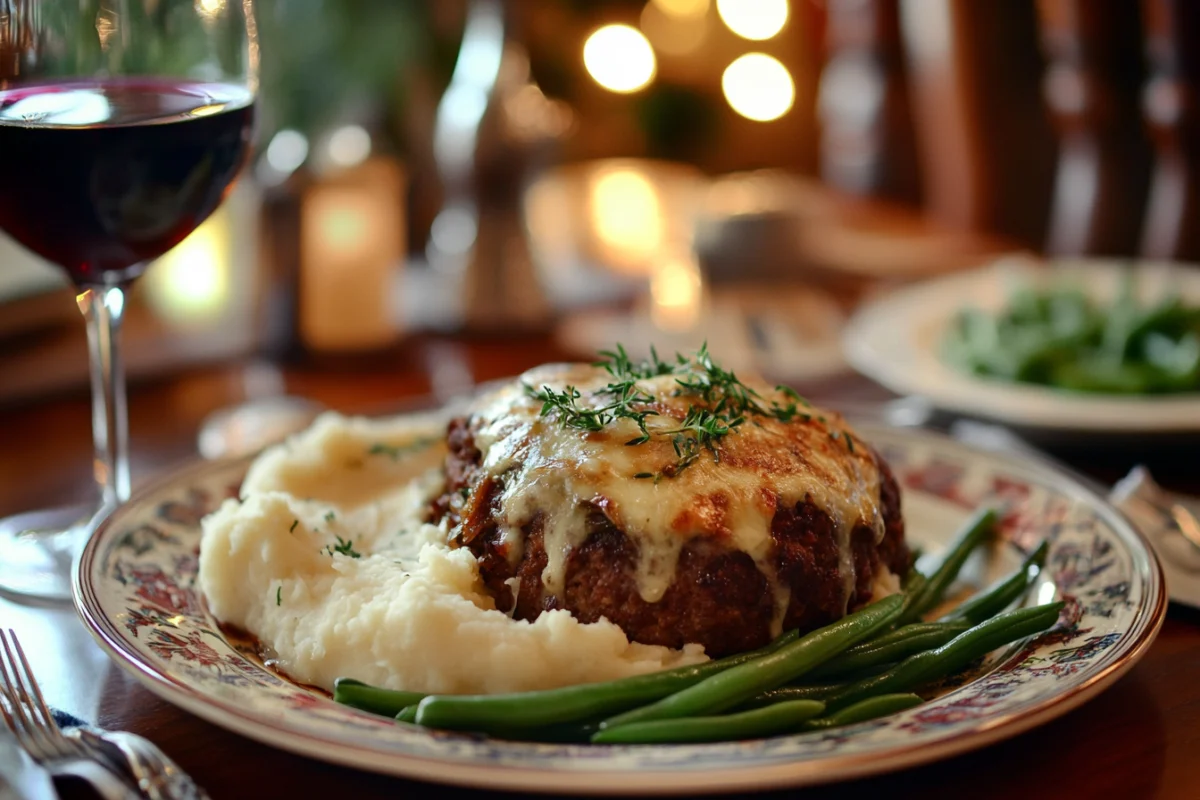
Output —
<point x="493" y="126"/>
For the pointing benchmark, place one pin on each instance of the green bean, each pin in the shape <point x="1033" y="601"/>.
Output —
<point x="953" y="656"/>
<point x="1103" y="376"/>
<point x="817" y="691"/>
<point x="1003" y="592"/>
<point x="387" y="702"/>
<point x="504" y="713"/>
<point x="970" y="536"/>
<point x="892" y="646"/>
<point x="1163" y="315"/>
<point x="1061" y="338"/>
<point x="735" y="685"/>
<point x="554" y="733"/>
<point x="767" y="721"/>
<point x="863" y="710"/>
<point x="914" y="584"/>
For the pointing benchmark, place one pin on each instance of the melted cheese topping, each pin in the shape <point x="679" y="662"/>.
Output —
<point x="763" y="465"/>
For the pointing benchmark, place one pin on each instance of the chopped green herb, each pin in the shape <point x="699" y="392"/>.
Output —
<point x="329" y="516"/>
<point x="396" y="451"/>
<point x="346" y="548"/>
<point x="295" y="522"/>
<point x="278" y="594"/>
<point x="727" y="402"/>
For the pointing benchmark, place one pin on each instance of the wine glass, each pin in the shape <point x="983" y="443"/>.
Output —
<point x="123" y="124"/>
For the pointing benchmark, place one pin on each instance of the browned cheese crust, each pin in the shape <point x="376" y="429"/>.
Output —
<point x="718" y="598"/>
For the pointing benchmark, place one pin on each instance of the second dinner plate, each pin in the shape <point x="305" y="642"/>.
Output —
<point x="895" y="340"/>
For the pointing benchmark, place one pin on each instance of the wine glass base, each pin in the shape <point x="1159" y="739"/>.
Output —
<point x="37" y="550"/>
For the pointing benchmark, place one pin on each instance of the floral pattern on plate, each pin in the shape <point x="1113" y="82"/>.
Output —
<point x="136" y="591"/>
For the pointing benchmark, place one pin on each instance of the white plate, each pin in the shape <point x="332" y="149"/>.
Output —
<point x="135" y="589"/>
<point x="895" y="341"/>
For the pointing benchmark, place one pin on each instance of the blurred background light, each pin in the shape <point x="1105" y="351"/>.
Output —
<point x="681" y="9"/>
<point x="209" y="9"/>
<point x="754" y="19"/>
<point x="674" y="33"/>
<point x="758" y="87"/>
<point x="627" y="215"/>
<point x="619" y="58"/>
<point x="675" y="294"/>
<point x="287" y="151"/>
<point x="454" y="230"/>
<point x="349" y="145"/>
<point x="191" y="283"/>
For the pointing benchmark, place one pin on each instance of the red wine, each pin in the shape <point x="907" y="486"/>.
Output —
<point x="101" y="177"/>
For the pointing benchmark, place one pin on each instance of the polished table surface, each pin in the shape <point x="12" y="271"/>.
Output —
<point x="1139" y="738"/>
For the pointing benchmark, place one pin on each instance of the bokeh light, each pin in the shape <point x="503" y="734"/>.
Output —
<point x="754" y="19"/>
<point x="349" y="145"/>
<point x="191" y="282"/>
<point x="758" y="87"/>
<point x="627" y="215"/>
<point x="287" y="151"/>
<point x="676" y="291"/>
<point x="210" y="9"/>
<point x="674" y="34"/>
<point x="681" y="9"/>
<point x="619" y="58"/>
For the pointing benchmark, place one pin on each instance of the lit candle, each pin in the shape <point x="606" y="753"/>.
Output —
<point x="352" y="241"/>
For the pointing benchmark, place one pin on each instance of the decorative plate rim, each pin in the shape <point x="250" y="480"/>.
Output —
<point x="1027" y="406"/>
<point x="1143" y="628"/>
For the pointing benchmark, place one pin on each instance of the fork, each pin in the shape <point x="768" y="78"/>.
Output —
<point x="28" y="717"/>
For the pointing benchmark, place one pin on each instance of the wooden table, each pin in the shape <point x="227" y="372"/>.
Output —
<point x="1140" y="738"/>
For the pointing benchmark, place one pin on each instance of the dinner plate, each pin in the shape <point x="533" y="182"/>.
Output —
<point x="136" y="591"/>
<point x="895" y="340"/>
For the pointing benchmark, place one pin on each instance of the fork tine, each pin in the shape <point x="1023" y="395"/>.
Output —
<point x="14" y="714"/>
<point x="39" y="702"/>
<point x="6" y="696"/>
<point x="37" y="737"/>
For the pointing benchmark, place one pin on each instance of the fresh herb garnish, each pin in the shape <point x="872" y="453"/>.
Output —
<point x="329" y="516"/>
<point x="791" y="411"/>
<point x="278" y="594"/>
<point x="726" y="403"/>
<point x="295" y="522"/>
<point x="344" y="547"/>
<point x="395" y="451"/>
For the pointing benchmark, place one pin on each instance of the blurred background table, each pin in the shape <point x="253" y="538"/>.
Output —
<point x="641" y="170"/>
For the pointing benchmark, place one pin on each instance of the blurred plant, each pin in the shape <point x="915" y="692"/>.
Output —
<point x="679" y="122"/>
<point x="111" y="39"/>
<point x="325" y="59"/>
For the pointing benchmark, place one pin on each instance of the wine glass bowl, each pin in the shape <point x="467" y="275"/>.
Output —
<point x="123" y="125"/>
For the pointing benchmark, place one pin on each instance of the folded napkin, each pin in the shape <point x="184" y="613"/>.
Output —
<point x="20" y="778"/>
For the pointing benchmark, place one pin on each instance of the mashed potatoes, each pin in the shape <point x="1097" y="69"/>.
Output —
<point x="326" y="559"/>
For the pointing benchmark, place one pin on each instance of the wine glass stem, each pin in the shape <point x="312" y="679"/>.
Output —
<point x="103" y="308"/>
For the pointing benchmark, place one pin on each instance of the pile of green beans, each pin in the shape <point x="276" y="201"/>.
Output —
<point x="501" y="713"/>
<point x="869" y="664"/>
<point x="1060" y="337"/>
<point x="932" y="591"/>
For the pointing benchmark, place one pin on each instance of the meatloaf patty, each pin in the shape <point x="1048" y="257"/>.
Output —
<point x="720" y="596"/>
